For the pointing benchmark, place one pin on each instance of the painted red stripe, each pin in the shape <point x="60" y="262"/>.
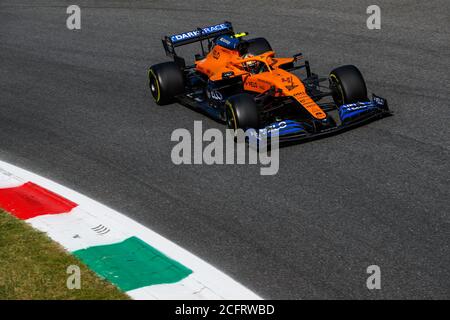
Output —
<point x="30" y="200"/>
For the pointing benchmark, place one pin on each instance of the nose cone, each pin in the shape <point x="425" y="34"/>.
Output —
<point x="287" y="82"/>
<point x="292" y="86"/>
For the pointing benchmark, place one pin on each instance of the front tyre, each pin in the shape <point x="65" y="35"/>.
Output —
<point x="242" y="112"/>
<point x="347" y="85"/>
<point x="165" y="81"/>
<point x="258" y="46"/>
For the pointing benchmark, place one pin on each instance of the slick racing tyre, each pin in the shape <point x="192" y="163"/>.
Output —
<point x="258" y="46"/>
<point x="166" y="81"/>
<point x="347" y="85"/>
<point x="242" y="112"/>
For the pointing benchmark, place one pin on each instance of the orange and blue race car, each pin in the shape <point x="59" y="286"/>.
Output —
<point x="242" y="83"/>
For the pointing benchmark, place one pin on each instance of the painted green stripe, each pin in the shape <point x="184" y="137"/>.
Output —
<point x="132" y="264"/>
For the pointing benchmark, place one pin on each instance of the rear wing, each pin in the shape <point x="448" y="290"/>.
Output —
<point x="197" y="35"/>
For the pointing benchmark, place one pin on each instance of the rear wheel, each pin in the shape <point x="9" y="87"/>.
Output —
<point x="242" y="112"/>
<point x="166" y="81"/>
<point x="347" y="85"/>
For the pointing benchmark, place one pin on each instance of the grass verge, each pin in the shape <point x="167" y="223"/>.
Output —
<point x="32" y="266"/>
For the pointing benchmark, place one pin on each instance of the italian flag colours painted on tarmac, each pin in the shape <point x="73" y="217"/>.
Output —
<point x="136" y="259"/>
<point x="129" y="264"/>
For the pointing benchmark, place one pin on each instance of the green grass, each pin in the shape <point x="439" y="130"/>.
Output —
<point x="32" y="266"/>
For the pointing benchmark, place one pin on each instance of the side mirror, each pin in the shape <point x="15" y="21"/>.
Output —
<point x="227" y="75"/>
<point x="297" y="56"/>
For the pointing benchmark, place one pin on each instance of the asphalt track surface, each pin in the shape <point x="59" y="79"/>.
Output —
<point x="75" y="107"/>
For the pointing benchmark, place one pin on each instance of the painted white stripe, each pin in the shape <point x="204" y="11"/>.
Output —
<point x="186" y="289"/>
<point x="7" y="180"/>
<point x="206" y="281"/>
<point x="80" y="229"/>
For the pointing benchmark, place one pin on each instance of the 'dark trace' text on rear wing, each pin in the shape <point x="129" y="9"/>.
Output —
<point x="197" y="35"/>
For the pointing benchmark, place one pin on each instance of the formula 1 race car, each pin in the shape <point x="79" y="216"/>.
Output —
<point x="242" y="83"/>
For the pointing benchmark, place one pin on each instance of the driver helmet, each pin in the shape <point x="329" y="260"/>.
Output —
<point x="251" y="66"/>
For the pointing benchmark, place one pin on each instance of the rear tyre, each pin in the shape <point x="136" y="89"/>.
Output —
<point x="348" y="85"/>
<point x="166" y="81"/>
<point x="242" y="112"/>
<point x="258" y="46"/>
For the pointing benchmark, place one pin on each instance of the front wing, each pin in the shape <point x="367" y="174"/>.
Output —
<point x="350" y="115"/>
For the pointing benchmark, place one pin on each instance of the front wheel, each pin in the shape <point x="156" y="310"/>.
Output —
<point x="347" y="85"/>
<point x="258" y="46"/>
<point x="242" y="112"/>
